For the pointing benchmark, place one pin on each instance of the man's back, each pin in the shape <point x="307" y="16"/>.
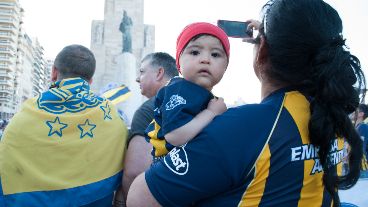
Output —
<point x="64" y="148"/>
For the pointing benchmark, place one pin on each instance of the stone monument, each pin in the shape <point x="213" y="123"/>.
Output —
<point x="119" y="42"/>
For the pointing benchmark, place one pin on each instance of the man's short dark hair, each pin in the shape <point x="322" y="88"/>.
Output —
<point x="363" y="108"/>
<point x="75" y="61"/>
<point x="162" y="59"/>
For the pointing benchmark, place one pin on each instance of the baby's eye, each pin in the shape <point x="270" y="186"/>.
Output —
<point x="216" y="54"/>
<point x="194" y="52"/>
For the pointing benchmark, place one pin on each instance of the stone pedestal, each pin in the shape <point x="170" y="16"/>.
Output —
<point x="106" y="43"/>
<point x="125" y="64"/>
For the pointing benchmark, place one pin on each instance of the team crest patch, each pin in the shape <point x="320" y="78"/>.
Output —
<point x="59" y="101"/>
<point x="177" y="160"/>
<point x="175" y="100"/>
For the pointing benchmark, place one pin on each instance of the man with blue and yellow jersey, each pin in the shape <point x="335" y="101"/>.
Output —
<point x="64" y="147"/>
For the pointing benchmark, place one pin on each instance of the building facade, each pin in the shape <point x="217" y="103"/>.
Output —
<point x="23" y="71"/>
<point x="10" y="26"/>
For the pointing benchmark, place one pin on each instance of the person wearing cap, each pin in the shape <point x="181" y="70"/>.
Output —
<point x="286" y="150"/>
<point x="186" y="105"/>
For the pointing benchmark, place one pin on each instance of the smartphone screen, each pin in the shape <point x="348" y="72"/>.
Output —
<point x="234" y="28"/>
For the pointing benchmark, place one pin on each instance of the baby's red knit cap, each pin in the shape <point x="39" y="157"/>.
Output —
<point x="195" y="29"/>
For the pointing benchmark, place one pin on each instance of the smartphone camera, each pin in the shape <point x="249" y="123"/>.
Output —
<point x="235" y="29"/>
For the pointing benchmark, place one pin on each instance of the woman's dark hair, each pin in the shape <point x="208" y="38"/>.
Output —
<point x="307" y="51"/>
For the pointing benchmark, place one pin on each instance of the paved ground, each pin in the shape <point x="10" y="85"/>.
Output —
<point x="357" y="195"/>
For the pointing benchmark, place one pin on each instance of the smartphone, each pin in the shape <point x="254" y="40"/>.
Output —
<point x="235" y="28"/>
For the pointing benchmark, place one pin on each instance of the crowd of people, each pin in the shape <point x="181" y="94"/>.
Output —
<point x="69" y="147"/>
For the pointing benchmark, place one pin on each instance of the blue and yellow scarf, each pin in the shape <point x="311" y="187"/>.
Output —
<point x="64" y="148"/>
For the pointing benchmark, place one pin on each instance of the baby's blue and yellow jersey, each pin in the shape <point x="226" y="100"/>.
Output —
<point x="175" y="105"/>
<point x="63" y="148"/>
<point x="253" y="155"/>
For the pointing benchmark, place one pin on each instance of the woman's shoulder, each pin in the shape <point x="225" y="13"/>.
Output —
<point x="253" y="110"/>
<point x="244" y="120"/>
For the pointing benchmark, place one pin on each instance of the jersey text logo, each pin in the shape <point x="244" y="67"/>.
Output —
<point x="177" y="161"/>
<point x="310" y="152"/>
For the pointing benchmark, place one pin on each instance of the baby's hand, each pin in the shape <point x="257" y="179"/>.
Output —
<point x="217" y="106"/>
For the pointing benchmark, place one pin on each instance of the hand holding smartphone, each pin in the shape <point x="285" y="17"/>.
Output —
<point x="235" y="29"/>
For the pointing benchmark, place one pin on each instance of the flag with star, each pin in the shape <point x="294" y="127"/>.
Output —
<point x="56" y="127"/>
<point x="86" y="129"/>
<point x="63" y="148"/>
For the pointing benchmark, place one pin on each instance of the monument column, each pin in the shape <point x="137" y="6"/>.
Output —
<point x="119" y="42"/>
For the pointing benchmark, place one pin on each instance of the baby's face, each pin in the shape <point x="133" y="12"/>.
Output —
<point x="204" y="61"/>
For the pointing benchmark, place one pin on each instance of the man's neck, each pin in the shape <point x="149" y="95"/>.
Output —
<point x="358" y="121"/>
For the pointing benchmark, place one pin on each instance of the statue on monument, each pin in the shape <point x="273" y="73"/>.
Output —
<point x="98" y="34"/>
<point x="126" y="28"/>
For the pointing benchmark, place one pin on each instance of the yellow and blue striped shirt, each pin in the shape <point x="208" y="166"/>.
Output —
<point x="253" y="155"/>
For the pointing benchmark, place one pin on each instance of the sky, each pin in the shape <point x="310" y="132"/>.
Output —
<point x="57" y="23"/>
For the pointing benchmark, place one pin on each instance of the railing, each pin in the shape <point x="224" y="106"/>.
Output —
<point x="6" y="82"/>
<point x="6" y="91"/>
<point x="8" y="27"/>
<point x="7" y="59"/>
<point x="8" y="20"/>
<point x="8" y="35"/>
<point x="7" y="75"/>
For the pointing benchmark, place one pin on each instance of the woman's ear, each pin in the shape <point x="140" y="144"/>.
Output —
<point x="261" y="62"/>
<point x="262" y="55"/>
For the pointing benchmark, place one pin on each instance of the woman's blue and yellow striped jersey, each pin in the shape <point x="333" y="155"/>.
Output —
<point x="253" y="155"/>
<point x="175" y="105"/>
